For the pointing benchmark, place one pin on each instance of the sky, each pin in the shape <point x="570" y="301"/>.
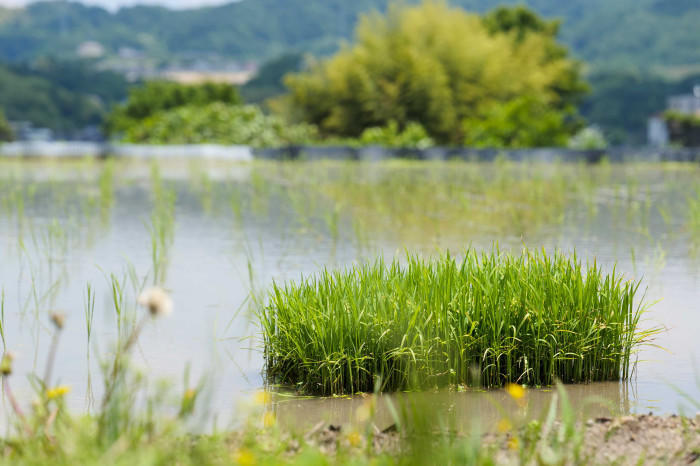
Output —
<point x="114" y="4"/>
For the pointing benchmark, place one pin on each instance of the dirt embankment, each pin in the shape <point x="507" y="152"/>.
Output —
<point x="627" y="440"/>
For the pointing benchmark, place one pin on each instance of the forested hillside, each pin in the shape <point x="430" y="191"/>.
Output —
<point x="620" y="32"/>
<point x="63" y="96"/>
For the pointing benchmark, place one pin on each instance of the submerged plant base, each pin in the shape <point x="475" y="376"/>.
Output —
<point x="487" y="318"/>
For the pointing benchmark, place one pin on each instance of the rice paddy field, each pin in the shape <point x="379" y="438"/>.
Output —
<point x="252" y="253"/>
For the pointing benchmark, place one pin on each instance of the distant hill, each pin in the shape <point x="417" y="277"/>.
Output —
<point x="63" y="96"/>
<point x="645" y="33"/>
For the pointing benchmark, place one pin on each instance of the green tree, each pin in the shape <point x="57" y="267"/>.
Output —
<point x="157" y="96"/>
<point x="269" y="80"/>
<point x="446" y="70"/>
<point x="6" y="133"/>
<point x="62" y="96"/>
<point x="519" y="20"/>
<point x="218" y="123"/>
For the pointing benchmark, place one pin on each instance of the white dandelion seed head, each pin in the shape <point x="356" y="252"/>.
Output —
<point x="157" y="301"/>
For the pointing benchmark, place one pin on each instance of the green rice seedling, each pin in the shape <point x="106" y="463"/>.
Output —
<point x="106" y="186"/>
<point x="162" y="227"/>
<point x="529" y="319"/>
<point x="694" y="214"/>
<point x="89" y="323"/>
<point x="2" y="320"/>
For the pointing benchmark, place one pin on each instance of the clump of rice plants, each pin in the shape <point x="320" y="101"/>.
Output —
<point x="490" y="318"/>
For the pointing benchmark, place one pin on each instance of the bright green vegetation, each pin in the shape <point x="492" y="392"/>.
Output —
<point x="468" y="80"/>
<point x="430" y="90"/>
<point x="218" y="123"/>
<point x="155" y="97"/>
<point x="161" y="112"/>
<point x="63" y="96"/>
<point x="268" y="82"/>
<point x="629" y="32"/>
<point x="487" y="318"/>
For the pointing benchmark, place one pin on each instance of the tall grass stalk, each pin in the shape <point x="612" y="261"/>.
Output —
<point x="89" y="322"/>
<point x="527" y="319"/>
<point x="162" y="228"/>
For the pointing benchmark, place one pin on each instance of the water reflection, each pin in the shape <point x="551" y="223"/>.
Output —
<point x="487" y="408"/>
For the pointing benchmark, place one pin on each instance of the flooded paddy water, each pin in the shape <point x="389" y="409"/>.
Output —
<point x="216" y="234"/>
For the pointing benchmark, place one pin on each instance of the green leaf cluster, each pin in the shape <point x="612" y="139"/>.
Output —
<point x="157" y="96"/>
<point x="218" y="123"/>
<point x="413" y="136"/>
<point x="446" y="70"/>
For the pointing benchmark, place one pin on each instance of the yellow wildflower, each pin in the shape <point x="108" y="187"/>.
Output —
<point x="57" y="392"/>
<point x="244" y="457"/>
<point x="504" y="425"/>
<point x="516" y="391"/>
<point x="190" y="394"/>
<point x="354" y="439"/>
<point x="6" y="363"/>
<point x="269" y="419"/>
<point x="262" y="397"/>
<point x="513" y="443"/>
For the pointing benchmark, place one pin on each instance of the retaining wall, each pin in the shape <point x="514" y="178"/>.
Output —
<point x="246" y="153"/>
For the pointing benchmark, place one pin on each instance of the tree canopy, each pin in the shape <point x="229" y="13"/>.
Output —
<point x="446" y="70"/>
<point x="63" y="96"/>
<point x="158" y="96"/>
<point x="217" y="123"/>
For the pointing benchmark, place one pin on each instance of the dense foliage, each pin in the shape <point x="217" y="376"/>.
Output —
<point x="158" y="96"/>
<point x="637" y="32"/>
<point x="6" y="133"/>
<point x="217" y="123"/>
<point x="683" y="129"/>
<point x="485" y="319"/>
<point x="269" y="80"/>
<point x="413" y="135"/>
<point x="622" y="100"/>
<point x="443" y="68"/>
<point x="62" y="96"/>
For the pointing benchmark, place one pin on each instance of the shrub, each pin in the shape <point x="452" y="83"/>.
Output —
<point x="588" y="138"/>
<point x="412" y="136"/>
<point x="218" y="123"/>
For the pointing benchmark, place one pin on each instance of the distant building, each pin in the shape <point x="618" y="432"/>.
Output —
<point x="197" y="77"/>
<point x="685" y="104"/>
<point x="657" y="131"/>
<point x="25" y="131"/>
